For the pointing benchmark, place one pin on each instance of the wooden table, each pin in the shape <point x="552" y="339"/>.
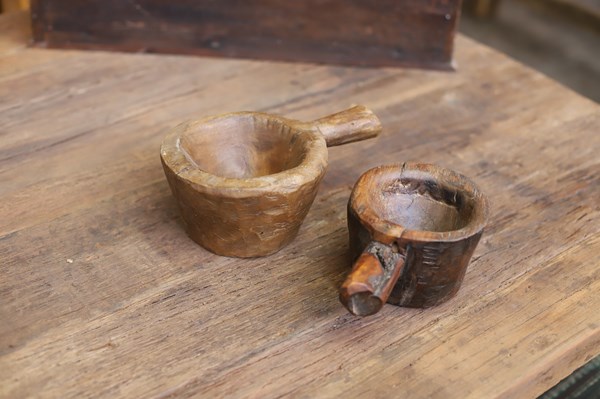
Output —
<point x="102" y="293"/>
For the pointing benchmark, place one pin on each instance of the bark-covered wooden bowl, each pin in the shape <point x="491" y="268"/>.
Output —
<point x="413" y="229"/>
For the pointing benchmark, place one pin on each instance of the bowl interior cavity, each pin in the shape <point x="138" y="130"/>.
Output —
<point x="243" y="146"/>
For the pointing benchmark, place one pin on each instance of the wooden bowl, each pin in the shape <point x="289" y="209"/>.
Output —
<point x="245" y="181"/>
<point x="413" y="229"/>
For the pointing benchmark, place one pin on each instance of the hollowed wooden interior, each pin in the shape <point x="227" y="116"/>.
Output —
<point x="243" y="146"/>
<point x="424" y="204"/>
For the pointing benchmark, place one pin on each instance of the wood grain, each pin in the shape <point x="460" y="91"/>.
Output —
<point x="142" y="311"/>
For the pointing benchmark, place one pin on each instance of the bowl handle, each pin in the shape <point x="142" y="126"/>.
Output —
<point x="354" y="124"/>
<point x="372" y="279"/>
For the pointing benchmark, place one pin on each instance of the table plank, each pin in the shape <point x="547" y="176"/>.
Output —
<point x="143" y="311"/>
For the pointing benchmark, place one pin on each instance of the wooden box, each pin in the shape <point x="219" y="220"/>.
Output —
<point x="349" y="32"/>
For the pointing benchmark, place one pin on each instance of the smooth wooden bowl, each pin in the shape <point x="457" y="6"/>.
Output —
<point x="245" y="181"/>
<point x="413" y="229"/>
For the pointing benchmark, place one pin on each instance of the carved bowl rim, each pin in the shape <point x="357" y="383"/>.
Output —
<point x="310" y="170"/>
<point x="387" y="231"/>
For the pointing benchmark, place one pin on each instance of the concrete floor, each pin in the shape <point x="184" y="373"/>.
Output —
<point x="562" y="45"/>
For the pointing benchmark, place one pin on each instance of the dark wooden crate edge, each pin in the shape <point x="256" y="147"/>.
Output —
<point x="442" y="66"/>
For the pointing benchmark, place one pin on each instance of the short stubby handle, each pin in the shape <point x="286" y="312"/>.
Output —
<point x="372" y="279"/>
<point x="354" y="124"/>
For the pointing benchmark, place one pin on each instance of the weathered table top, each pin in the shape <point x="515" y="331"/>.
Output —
<point x="102" y="293"/>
